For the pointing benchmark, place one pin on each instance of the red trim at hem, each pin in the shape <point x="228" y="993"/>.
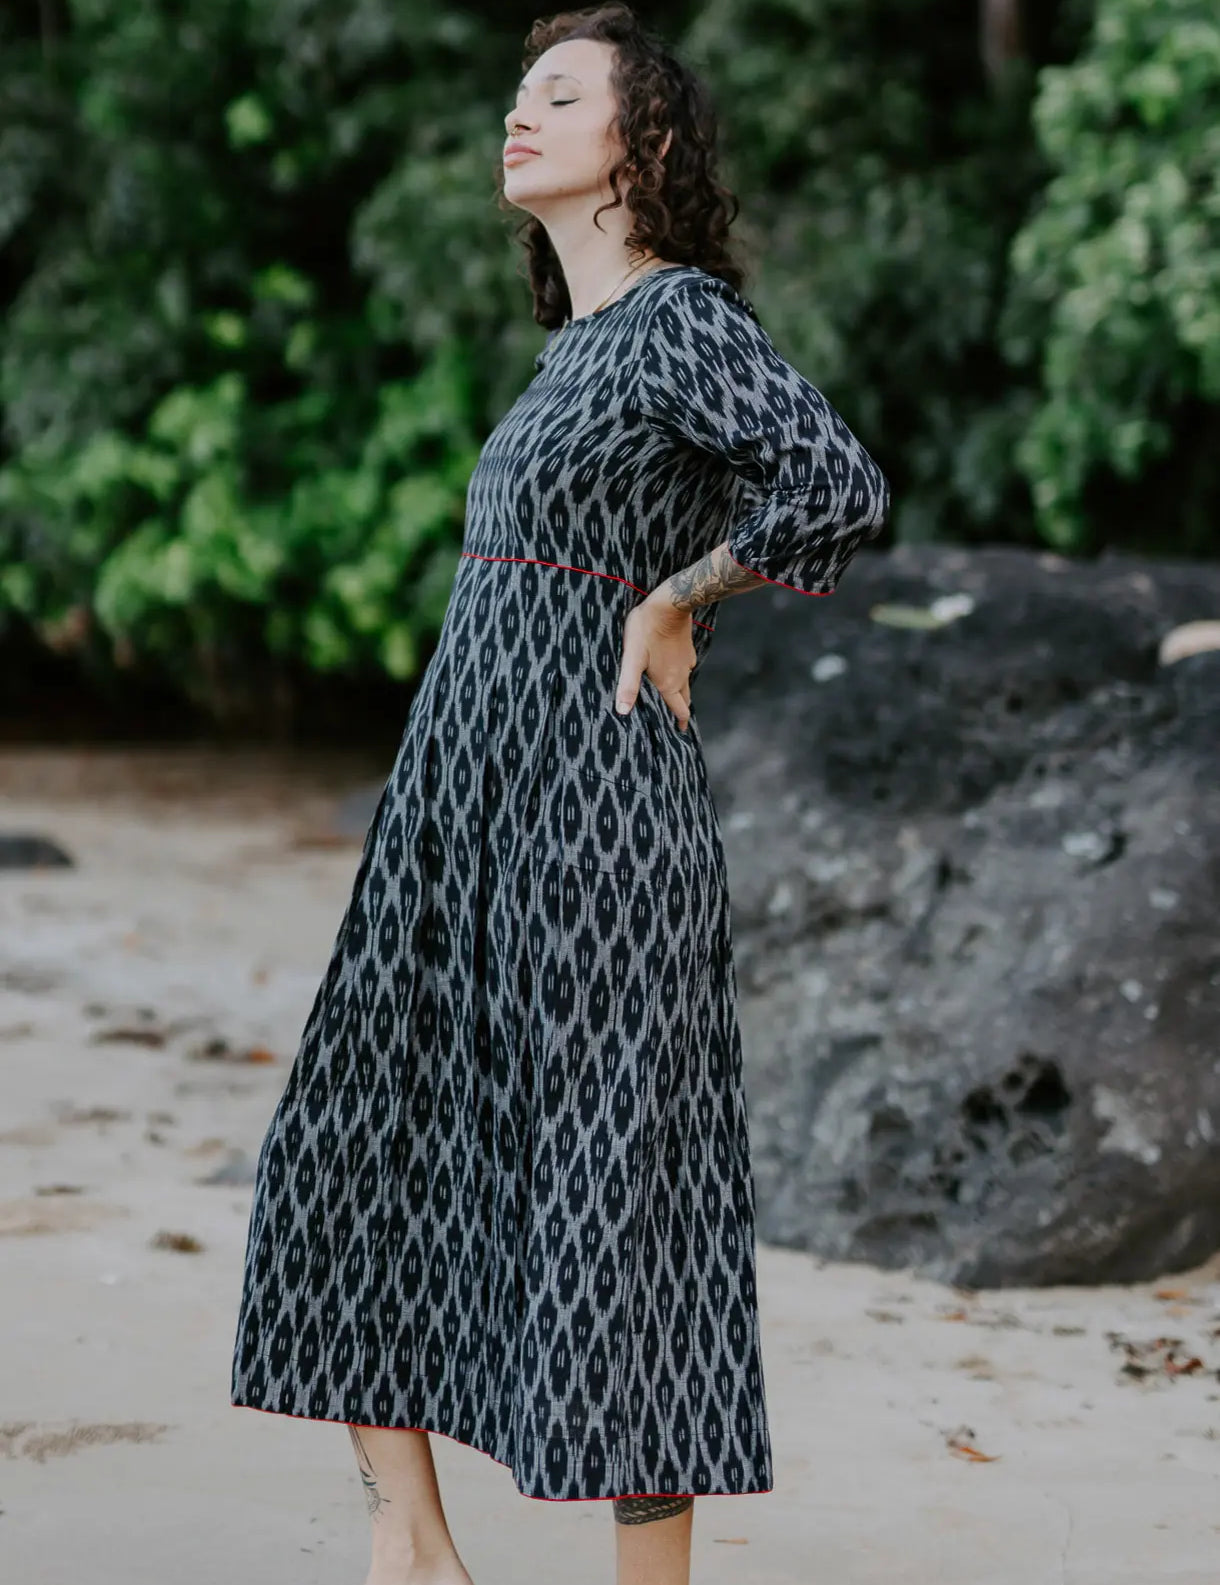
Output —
<point x="532" y="561"/>
<point x="779" y="583"/>
<point x="317" y="1420"/>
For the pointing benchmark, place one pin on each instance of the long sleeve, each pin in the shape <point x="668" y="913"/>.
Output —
<point x="710" y="377"/>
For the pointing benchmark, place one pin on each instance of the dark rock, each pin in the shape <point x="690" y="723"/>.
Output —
<point x="20" y="851"/>
<point x="976" y="884"/>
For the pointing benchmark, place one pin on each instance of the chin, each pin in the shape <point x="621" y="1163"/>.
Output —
<point x="520" y="190"/>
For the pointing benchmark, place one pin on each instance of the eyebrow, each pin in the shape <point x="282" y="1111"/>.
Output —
<point x="551" y="77"/>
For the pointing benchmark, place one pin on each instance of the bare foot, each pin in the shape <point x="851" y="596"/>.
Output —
<point x="451" y="1573"/>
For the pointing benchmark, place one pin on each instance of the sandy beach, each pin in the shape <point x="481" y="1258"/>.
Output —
<point x="150" y="1000"/>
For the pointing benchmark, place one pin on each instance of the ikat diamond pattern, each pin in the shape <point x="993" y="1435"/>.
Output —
<point x="506" y="1193"/>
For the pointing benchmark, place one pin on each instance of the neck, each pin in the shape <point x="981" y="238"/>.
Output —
<point x="593" y="262"/>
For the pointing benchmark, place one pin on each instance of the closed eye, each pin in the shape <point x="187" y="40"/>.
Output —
<point x="562" y="102"/>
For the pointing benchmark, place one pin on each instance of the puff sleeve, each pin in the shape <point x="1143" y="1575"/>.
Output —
<point x="710" y="377"/>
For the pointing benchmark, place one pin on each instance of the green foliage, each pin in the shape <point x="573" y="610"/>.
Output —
<point x="1117" y="278"/>
<point x="215" y="454"/>
<point x="883" y="178"/>
<point x="260" y="303"/>
<point x="185" y="562"/>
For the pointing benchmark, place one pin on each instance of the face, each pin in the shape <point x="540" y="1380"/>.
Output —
<point x="564" y="112"/>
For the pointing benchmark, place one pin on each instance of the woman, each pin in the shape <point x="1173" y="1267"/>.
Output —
<point x="506" y="1195"/>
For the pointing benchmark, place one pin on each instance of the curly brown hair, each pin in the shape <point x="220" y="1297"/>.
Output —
<point x="679" y="207"/>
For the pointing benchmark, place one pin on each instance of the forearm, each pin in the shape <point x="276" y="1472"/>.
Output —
<point x="714" y="577"/>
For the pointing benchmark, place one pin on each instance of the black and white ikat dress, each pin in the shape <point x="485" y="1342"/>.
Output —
<point x="506" y="1193"/>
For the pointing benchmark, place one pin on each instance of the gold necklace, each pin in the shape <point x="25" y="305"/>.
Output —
<point x="604" y="300"/>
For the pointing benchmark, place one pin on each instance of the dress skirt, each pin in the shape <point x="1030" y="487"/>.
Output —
<point x="506" y="1192"/>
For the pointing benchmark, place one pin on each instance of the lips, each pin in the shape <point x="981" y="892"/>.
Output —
<point x="517" y="151"/>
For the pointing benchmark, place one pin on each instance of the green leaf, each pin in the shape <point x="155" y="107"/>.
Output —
<point x="248" y="122"/>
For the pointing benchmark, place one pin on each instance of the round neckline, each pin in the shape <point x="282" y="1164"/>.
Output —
<point x="599" y="313"/>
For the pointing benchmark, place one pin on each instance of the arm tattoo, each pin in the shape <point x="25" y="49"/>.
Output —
<point x="368" y="1478"/>
<point x="713" y="578"/>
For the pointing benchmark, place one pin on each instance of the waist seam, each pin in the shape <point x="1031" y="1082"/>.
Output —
<point x="592" y="572"/>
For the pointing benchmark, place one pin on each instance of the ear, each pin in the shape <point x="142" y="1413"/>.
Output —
<point x="669" y="137"/>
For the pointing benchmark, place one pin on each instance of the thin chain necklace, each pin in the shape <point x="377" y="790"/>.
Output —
<point x="604" y="300"/>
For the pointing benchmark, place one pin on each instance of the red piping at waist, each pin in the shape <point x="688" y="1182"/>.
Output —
<point x="532" y="561"/>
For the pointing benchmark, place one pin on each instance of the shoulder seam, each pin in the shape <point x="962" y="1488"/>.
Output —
<point x="715" y="284"/>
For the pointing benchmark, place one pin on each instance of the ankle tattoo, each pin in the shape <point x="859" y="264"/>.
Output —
<point x="368" y="1478"/>
<point x="643" y="1510"/>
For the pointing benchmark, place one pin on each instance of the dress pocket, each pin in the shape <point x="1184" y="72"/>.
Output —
<point x="620" y="747"/>
<point x="597" y="823"/>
